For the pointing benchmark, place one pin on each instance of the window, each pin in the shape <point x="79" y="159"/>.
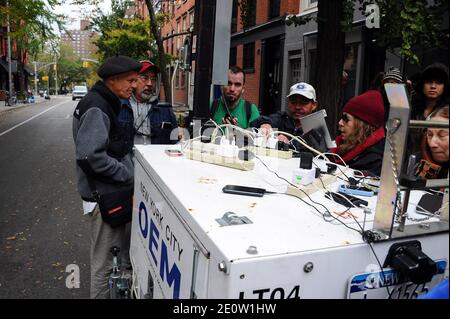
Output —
<point x="233" y="56"/>
<point x="191" y="18"/>
<point x="249" y="57"/>
<point x="178" y="32"/>
<point x="251" y="18"/>
<point x="274" y="9"/>
<point x="173" y="42"/>
<point x="234" y="17"/>
<point x="296" y="70"/>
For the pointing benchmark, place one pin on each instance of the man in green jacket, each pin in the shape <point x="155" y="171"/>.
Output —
<point x="231" y="108"/>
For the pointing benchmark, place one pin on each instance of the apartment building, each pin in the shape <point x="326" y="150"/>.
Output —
<point x="79" y="40"/>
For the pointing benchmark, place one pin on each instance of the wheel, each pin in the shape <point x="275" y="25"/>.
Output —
<point x="12" y="101"/>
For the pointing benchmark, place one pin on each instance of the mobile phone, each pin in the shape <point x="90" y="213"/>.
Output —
<point x="228" y="117"/>
<point x="429" y="203"/>
<point x="244" y="190"/>
<point x="355" y="190"/>
<point x="340" y="200"/>
<point x="174" y="152"/>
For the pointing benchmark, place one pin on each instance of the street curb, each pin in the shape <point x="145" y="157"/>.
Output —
<point x="8" y="109"/>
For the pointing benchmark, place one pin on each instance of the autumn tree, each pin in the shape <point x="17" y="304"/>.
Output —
<point x="32" y="27"/>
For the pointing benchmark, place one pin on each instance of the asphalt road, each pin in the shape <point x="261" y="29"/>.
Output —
<point x="42" y="229"/>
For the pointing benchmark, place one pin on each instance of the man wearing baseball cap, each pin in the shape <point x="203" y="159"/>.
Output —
<point x="102" y="132"/>
<point x="153" y="122"/>
<point x="302" y="101"/>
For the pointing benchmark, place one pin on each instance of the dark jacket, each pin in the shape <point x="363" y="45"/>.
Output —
<point x="367" y="157"/>
<point x="160" y="121"/>
<point x="100" y="145"/>
<point x="281" y="121"/>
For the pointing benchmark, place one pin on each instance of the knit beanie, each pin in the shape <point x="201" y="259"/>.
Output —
<point x="393" y="74"/>
<point x="368" y="107"/>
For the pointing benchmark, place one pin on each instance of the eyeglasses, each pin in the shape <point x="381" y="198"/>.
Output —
<point x="345" y="118"/>
<point x="146" y="78"/>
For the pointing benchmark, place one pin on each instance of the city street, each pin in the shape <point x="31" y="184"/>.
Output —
<point x="42" y="229"/>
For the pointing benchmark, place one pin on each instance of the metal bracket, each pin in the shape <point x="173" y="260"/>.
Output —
<point x="231" y="219"/>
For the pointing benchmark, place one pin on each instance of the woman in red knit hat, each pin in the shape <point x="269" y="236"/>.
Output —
<point x="361" y="142"/>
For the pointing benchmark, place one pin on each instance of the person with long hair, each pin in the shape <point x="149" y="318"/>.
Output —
<point x="431" y="91"/>
<point x="361" y="141"/>
<point x="434" y="154"/>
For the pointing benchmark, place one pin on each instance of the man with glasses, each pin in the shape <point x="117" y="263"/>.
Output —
<point x="153" y="122"/>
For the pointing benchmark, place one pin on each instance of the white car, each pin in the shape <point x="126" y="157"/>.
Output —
<point x="79" y="91"/>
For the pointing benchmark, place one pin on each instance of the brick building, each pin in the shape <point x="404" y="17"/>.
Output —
<point x="79" y="40"/>
<point x="258" y="49"/>
<point x="16" y="54"/>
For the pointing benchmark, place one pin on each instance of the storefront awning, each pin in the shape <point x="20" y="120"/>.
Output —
<point x="4" y="65"/>
<point x="28" y="70"/>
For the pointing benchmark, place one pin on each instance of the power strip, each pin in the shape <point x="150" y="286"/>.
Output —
<point x="264" y="151"/>
<point x="208" y="157"/>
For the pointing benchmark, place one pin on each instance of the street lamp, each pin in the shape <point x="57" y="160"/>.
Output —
<point x="8" y="30"/>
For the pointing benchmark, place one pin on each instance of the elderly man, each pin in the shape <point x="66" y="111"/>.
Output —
<point x="301" y="102"/>
<point x="102" y="132"/>
<point x="153" y="122"/>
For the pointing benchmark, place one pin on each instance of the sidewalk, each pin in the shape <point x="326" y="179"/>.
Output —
<point x="6" y="109"/>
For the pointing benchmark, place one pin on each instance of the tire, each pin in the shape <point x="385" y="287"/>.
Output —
<point x="12" y="101"/>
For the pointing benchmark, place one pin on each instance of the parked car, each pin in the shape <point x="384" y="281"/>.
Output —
<point x="79" y="91"/>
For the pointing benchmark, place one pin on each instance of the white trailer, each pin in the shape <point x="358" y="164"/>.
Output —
<point x="191" y="240"/>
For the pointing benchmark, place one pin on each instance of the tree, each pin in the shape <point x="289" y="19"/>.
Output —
<point x="31" y="27"/>
<point x="161" y="54"/>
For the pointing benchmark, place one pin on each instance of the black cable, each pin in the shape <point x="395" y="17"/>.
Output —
<point x="330" y="214"/>
<point x="373" y="251"/>
<point x="323" y="215"/>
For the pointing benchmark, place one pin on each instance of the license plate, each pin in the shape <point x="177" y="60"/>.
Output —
<point x="375" y="285"/>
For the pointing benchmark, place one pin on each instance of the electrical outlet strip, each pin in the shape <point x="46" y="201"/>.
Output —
<point x="270" y="152"/>
<point x="210" y="148"/>
<point x="231" y="162"/>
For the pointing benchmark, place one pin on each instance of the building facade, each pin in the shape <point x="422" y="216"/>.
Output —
<point x="259" y="50"/>
<point x="79" y="40"/>
<point x="17" y="54"/>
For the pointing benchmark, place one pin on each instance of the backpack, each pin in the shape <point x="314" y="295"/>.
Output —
<point x="247" y="106"/>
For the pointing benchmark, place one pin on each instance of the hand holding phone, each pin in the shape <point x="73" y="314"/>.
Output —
<point x="228" y="119"/>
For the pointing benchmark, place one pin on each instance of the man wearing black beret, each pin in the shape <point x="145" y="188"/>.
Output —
<point x="102" y="132"/>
